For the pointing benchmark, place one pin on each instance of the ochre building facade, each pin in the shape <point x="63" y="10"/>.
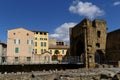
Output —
<point x="88" y="40"/>
<point x="40" y="42"/>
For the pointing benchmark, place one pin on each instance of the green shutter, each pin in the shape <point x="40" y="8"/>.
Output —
<point x="16" y="50"/>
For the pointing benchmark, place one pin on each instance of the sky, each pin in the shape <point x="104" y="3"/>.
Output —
<point x="55" y="16"/>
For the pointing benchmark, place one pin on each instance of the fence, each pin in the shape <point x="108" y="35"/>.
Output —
<point x="39" y="60"/>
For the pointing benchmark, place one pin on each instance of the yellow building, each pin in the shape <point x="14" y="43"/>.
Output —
<point x="58" y="45"/>
<point x="40" y="42"/>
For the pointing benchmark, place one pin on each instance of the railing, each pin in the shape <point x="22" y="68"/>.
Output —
<point x="39" y="60"/>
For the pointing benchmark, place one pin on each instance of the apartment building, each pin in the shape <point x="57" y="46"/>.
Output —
<point x="40" y="42"/>
<point x="3" y="51"/>
<point x="20" y="45"/>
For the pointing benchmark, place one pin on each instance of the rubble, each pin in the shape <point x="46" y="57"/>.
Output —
<point x="74" y="74"/>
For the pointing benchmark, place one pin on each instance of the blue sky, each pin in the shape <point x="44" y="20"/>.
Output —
<point x="55" y="16"/>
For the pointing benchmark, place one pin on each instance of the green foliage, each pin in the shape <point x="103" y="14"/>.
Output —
<point x="56" y="52"/>
<point x="67" y="53"/>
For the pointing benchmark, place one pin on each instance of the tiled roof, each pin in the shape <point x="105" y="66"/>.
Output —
<point x="58" y="47"/>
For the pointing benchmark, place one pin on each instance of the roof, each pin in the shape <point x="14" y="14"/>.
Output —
<point x="19" y="28"/>
<point x="3" y="44"/>
<point x="58" y="47"/>
<point x="115" y="31"/>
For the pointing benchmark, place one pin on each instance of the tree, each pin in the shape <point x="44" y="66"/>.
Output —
<point x="67" y="53"/>
<point x="56" y="52"/>
<point x="55" y="56"/>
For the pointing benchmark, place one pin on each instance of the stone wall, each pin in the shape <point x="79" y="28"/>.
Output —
<point x="88" y="38"/>
<point x="113" y="46"/>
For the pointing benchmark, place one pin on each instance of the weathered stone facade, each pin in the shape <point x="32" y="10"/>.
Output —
<point x="88" y="38"/>
<point x="113" y="46"/>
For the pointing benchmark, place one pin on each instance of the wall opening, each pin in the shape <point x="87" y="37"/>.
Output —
<point x="99" y="57"/>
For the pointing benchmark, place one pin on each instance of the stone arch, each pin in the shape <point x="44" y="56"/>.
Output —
<point x="99" y="57"/>
<point x="79" y="47"/>
<point x="80" y="50"/>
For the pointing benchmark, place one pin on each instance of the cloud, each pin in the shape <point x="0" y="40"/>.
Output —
<point x="116" y="3"/>
<point x="62" y="32"/>
<point x="85" y="9"/>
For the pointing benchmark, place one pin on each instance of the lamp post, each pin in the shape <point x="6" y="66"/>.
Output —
<point x="33" y="56"/>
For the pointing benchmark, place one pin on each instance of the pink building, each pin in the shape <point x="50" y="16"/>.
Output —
<point x="20" y="45"/>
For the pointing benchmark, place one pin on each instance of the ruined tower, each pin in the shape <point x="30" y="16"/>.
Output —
<point x="88" y="40"/>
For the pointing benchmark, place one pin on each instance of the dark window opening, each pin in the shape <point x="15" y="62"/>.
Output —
<point x="36" y="32"/>
<point x="44" y="33"/>
<point x="90" y="56"/>
<point x="35" y="43"/>
<point x="28" y="58"/>
<point x="98" y="45"/>
<point x="40" y="32"/>
<point x="98" y="34"/>
<point x="27" y="34"/>
<point x="13" y="33"/>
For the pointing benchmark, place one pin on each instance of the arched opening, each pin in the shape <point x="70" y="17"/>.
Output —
<point x="80" y="50"/>
<point x="99" y="57"/>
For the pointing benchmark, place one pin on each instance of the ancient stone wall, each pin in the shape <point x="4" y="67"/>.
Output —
<point x="88" y="38"/>
<point x="113" y="46"/>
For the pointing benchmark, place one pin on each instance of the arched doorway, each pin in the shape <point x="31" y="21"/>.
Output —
<point x="80" y="50"/>
<point x="99" y="57"/>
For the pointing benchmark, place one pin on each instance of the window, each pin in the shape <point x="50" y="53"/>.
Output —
<point x="45" y="38"/>
<point x="45" y="58"/>
<point x="62" y="51"/>
<point x="29" y="50"/>
<point x="13" y="33"/>
<point x="40" y="32"/>
<point x="16" y="41"/>
<point x="41" y="39"/>
<point x="42" y="51"/>
<point x="50" y="51"/>
<point x="44" y="44"/>
<point x="16" y="50"/>
<point x="98" y="34"/>
<point x="29" y="41"/>
<point x="36" y="38"/>
<point x="28" y="58"/>
<point x="35" y="43"/>
<point x="16" y="59"/>
<point x="27" y="34"/>
<point x="41" y="43"/>
<point x="35" y="51"/>
<point x="98" y="45"/>
<point x="36" y="32"/>
<point x="44" y="33"/>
